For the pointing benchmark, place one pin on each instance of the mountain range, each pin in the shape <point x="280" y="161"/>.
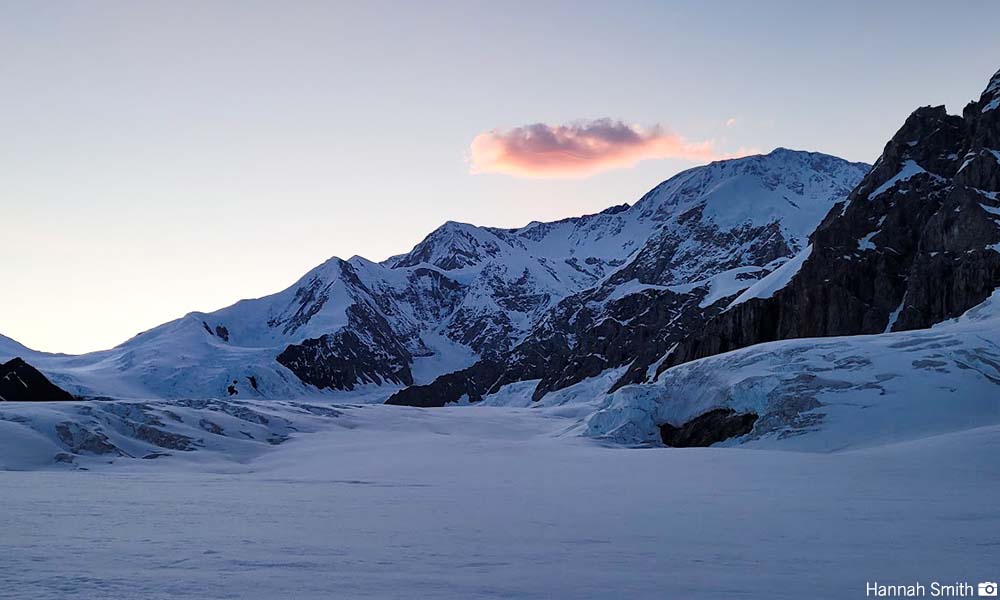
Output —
<point x="765" y="296"/>
<point x="467" y="296"/>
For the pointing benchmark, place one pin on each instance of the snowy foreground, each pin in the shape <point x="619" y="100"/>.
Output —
<point x="475" y="502"/>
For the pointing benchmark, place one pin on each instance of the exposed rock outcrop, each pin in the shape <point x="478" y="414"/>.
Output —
<point x="366" y="352"/>
<point x="80" y="440"/>
<point x="715" y="426"/>
<point x="20" y="382"/>
<point x="467" y="384"/>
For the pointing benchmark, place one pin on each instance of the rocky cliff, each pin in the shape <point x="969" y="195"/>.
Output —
<point x="914" y="244"/>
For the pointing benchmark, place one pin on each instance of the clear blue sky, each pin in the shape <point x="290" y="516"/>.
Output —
<point x="163" y="157"/>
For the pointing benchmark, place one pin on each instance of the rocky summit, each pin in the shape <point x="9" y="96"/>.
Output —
<point x="917" y="242"/>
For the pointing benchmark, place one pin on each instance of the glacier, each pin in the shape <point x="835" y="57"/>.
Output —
<point x="485" y="502"/>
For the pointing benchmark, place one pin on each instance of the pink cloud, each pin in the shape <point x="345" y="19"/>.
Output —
<point x="731" y="121"/>
<point x="579" y="149"/>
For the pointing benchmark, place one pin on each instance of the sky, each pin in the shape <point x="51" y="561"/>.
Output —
<point x="165" y="157"/>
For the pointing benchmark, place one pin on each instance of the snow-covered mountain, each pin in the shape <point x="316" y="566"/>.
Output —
<point x="786" y="300"/>
<point x="470" y="295"/>
<point x="885" y="328"/>
<point x="711" y="232"/>
<point x="915" y="243"/>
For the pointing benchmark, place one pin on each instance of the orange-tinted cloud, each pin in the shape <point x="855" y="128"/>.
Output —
<point x="579" y="149"/>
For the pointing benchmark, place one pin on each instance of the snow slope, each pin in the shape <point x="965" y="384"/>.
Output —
<point x="481" y="502"/>
<point x="890" y="476"/>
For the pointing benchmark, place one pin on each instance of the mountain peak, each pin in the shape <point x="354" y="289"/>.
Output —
<point x="792" y="186"/>
<point x="782" y="151"/>
<point x="785" y="154"/>
<point x="453" y="245"/>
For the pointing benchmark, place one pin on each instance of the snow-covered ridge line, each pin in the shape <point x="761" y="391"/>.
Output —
<point x="356" y="327"/>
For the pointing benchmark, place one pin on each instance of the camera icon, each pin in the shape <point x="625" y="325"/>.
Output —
<point x="988" y="588"/>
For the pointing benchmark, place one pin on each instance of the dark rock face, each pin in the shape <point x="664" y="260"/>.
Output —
<point x="710" y="428"/>
<point x="640" y="328"/>
<point x="370" y="348"/>
<point x="578" y="342"/>
<point x="20" y="382"/>
<point x="219" y="331"/>
<point x="450" y="388"/>
<point x="343" y="359"/>
<point x="915" y="243"/>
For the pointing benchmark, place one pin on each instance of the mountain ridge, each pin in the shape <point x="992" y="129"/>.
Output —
<point x="697" y="252"/>
<point x="461" y="294"/>
<point x="887" y="326"/>
<point x="883" y="262"/>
